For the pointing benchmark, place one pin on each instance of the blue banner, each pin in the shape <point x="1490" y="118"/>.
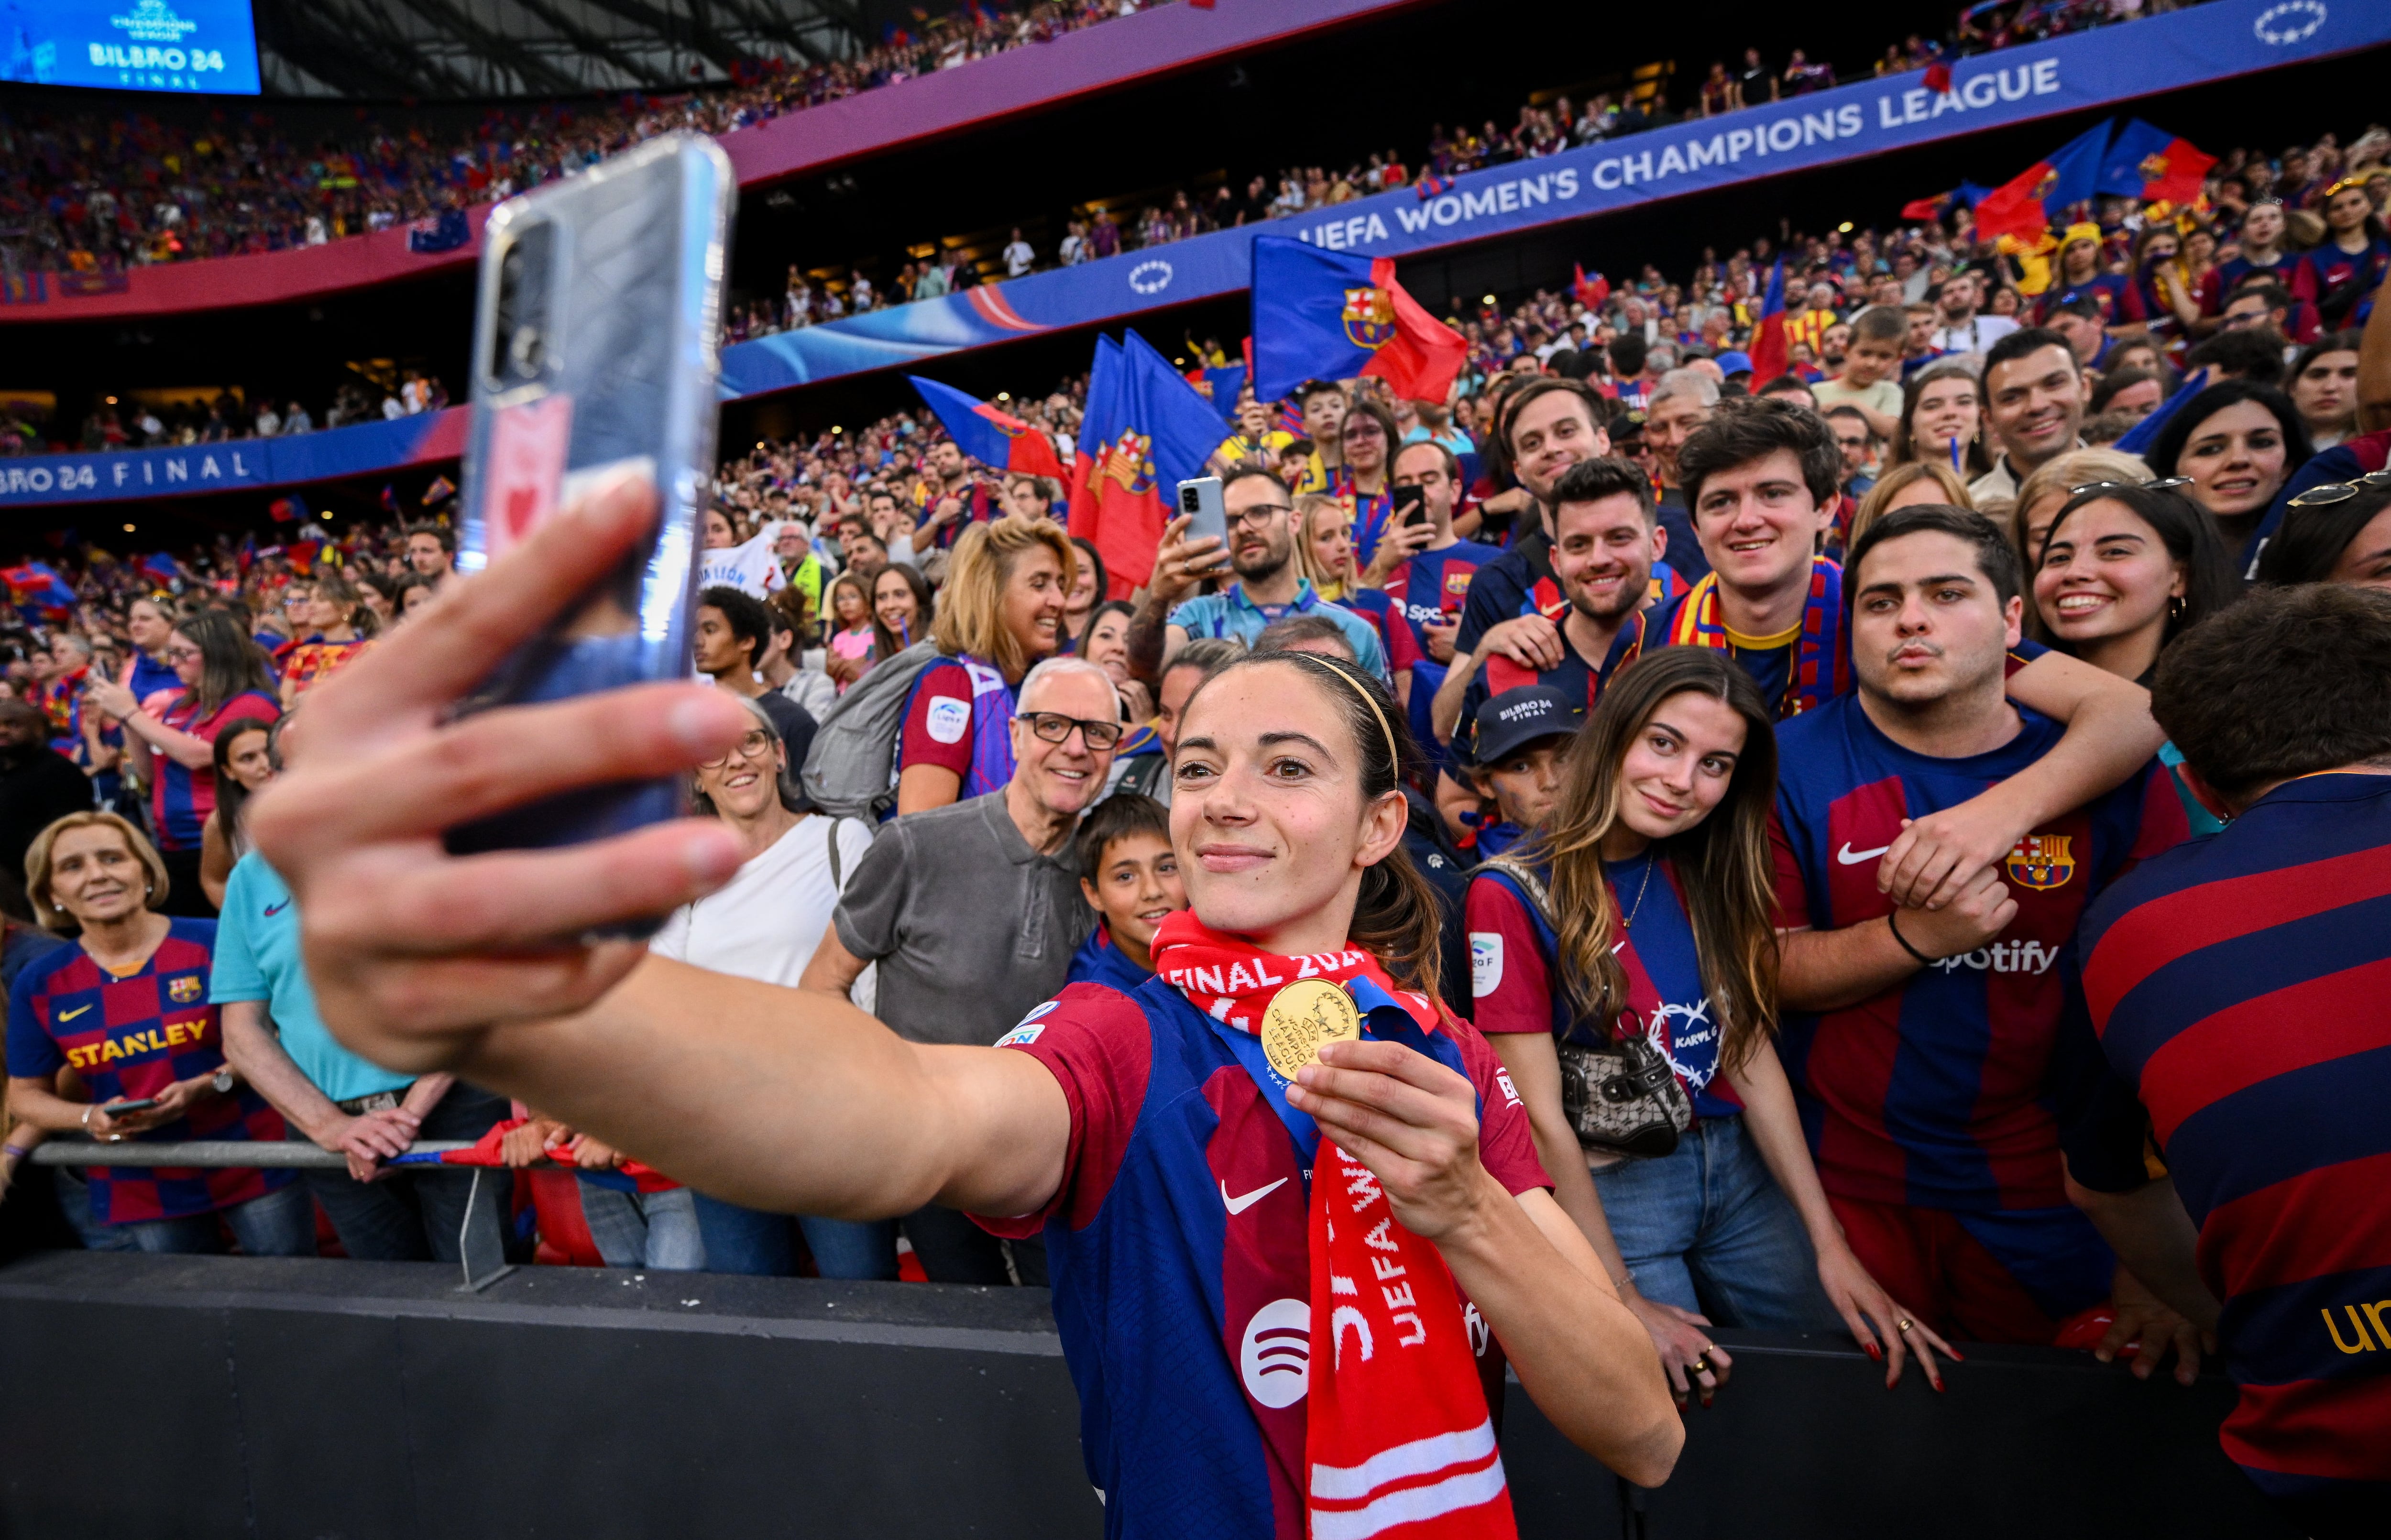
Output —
<point x="1872" y="118"/>
<point x="131" y="44"/>
<point x="366" y="449"/>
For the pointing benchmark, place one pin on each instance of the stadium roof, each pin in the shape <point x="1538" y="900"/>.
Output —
<point x="464" y="49"/>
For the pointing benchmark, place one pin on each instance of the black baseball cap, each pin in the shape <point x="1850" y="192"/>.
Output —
<point x="1515" y="718"/>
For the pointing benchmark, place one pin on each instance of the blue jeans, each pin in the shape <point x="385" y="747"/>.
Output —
<point x="420" y="1213"/>
<point x="765" y="1246"/>
<point x="657" y="1230"/>
<point x="282" y="1223"/>
<point x="1705" y="1228"/>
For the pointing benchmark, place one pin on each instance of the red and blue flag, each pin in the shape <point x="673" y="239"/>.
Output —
<point x="995" y="438"/>
<point x="2034" y="199"/>
<point x="37" y="585"/>
<point x="283" y="510"/>
<point x="1097" y="428"/>
<point x="1162" y="432"/>
<point x="1335" y="316"/>
<point x="2153" y="165"/>
<point x="164" y="568"/>
<point x="1769" y="350"/>
<point x="1590" y="291"/>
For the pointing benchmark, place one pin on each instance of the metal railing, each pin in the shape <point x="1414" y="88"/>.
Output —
<point x="268" y="1154"/>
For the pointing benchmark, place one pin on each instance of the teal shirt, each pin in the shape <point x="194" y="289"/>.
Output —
<point x="257" y="958"/>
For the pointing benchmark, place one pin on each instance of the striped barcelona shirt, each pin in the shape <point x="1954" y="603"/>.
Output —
<point x="2238" y="986"/>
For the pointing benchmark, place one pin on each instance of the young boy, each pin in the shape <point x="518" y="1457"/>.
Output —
<point x="1870" y="377"/>
<point x="1522" y="741"/>
<point x="1131" y="878"/>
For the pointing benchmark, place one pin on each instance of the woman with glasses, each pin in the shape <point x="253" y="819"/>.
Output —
<point x="765" y="923"/>
<point x="1008" y="586"/>
<point x="1370" y="438"/>
<point x="1635" y="932"/>
<point x="2336" y="533"/>
<point x="171" y="743"/>
<point x="2238" y="442"/>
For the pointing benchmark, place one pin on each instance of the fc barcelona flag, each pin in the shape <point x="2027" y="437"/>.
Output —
<point x="1769" y="350"/>
<point x="1097" y="427"/>
<point x="2153" y="165"/>
<point x="1334" y="316"/>
<point x="996" y="439"/>
<point x="1159" y="433"/>
<point x="2031" y="202"/>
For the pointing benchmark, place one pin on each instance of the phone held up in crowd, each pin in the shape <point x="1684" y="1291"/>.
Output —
<point x="1199" y="502"/>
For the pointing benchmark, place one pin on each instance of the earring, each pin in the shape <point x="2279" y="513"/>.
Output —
<point x="2174" y="607"/>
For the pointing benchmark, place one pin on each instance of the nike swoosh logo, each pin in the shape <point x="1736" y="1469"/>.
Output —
<point x="1849" y="857"/>
<point x="70" y="1015"/>
<point x="273" y="909"/>
<point x="1240" y="1205"/>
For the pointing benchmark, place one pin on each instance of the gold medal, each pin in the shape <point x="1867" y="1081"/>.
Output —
<point x="1303" y="1016"/>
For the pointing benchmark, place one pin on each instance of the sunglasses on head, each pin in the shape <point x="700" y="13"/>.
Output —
<point x="2157" y="483"/>
<point x="2333" y="492"/>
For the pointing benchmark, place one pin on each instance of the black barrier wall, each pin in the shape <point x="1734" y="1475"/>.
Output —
<point x="273" y="1400"/>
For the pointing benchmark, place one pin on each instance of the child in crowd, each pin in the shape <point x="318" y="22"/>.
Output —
<point x="1131" y="879"/>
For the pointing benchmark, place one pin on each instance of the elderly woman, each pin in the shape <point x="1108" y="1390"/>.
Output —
<point x="126" y="1011"/>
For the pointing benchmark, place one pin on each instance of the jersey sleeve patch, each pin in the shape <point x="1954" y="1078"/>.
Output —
<point x="1485" y="963"/>
<point x="1096" y="1043"/>
<point x="948" y="720"/>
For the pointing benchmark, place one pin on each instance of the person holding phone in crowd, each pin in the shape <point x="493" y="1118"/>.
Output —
<point x="1287" y="809"/>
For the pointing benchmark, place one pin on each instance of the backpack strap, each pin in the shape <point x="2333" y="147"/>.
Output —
<point x="1530" y="886"/>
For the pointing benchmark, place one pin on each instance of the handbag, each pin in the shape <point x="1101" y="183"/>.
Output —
<point x="1620" y="1095"/>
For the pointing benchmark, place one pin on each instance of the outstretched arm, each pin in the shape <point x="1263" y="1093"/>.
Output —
<point x="483" y="964"/>
<point x="2110" y="735"/>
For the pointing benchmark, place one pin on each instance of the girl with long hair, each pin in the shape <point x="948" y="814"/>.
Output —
<point x="1008" y="585"/>
<point x="2238" y="442"/>
<point x="1942" y="407"/>
<point x="173" y="748"/>
<point x="1632" y="942"/>
<point x="244" y="763"/>
<point x="2122" y="571"/>
<point x="851" y="636"/>
<point x="1163" y="1140"/>
<point x="903" y="605"/>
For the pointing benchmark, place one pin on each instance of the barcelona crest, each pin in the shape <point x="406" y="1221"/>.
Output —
<point x="1369" y="317"/>
<point x="1131" y="464"/>
<point x="2045" y="184"/>
<point x="184" y="990"/>
<point x="2042" y="861"/>
<point x="2153" y="167"/>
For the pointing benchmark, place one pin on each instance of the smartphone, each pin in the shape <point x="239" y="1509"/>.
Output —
<point x="1411" y="507"/>
<point x="119" y="1109"/>
<point x="1200" y="502"/>
<point x="597" y="332"/>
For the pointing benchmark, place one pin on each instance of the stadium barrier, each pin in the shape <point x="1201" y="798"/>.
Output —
<point x="232" y="1396"/>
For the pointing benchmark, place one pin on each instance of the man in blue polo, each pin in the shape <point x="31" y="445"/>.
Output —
<point x="1261" y="555"/>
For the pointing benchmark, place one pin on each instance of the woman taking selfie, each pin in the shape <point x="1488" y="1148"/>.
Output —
<point x="173" y="750"/>
<point x="1289" y="818"/>
<point x="1002" y="611"/>
<point x="1636" y="934"/>
<point x="92" y="877"/>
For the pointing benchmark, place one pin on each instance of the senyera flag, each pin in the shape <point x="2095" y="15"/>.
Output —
<point x="996" y="439"/>
<point x="1768" y="351"/>
<point x="2032" y="202"/>
<point x="2153" y="165"/>
<point x="1335" y="316"/>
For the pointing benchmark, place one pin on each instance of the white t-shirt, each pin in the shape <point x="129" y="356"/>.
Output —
<point x="1019" y="258"/>
<point x="767" y="921"/>
<point x="1975" y="337"/>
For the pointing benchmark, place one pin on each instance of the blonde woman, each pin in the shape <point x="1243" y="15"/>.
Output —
<point x="1007" y="587"/>
<point x="2046" y="489"/>
<point x="1920" y="481"/>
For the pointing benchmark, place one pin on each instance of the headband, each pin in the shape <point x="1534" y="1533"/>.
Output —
<point x="1394" y="754"/>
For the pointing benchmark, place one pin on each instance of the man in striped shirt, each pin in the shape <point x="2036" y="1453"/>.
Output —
<point x="2240" y="987"/>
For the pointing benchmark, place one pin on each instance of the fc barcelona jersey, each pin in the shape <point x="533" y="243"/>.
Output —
<point x="1941" y="1092"/>
<point x="1181" y="1251"/>
<point x="132" y="1037"/>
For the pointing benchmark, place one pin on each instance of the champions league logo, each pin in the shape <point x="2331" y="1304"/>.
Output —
<point x="2292" y="21"/>
<point x="1150" y="277"/>
<point x="1369" y="317"/>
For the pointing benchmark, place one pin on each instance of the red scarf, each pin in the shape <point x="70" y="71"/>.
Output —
<point x="1396" y="1431"/>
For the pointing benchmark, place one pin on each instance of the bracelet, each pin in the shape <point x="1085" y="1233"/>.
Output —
<point x="89" y="1107"/>
<point x="1923" y="961"/>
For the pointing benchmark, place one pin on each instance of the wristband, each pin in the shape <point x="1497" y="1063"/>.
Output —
<point x="1923" y="961"/>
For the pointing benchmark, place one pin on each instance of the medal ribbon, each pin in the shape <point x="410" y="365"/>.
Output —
<point x="1396" y="1429"/>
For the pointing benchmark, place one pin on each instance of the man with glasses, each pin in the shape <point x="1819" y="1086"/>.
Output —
<point x="1261" y="555"/>
<point x="973" y="911"/>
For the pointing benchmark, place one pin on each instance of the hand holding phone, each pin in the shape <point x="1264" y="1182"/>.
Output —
<point x="1411" y="507"/>
<point x="1207" y="518"/>
<point x="122" y="1109"/>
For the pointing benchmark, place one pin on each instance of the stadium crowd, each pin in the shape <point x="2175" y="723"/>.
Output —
<point x="1941" y="680"/>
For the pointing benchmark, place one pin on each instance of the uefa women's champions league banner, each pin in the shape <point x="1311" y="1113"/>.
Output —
<point x="2094" y="70"/>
